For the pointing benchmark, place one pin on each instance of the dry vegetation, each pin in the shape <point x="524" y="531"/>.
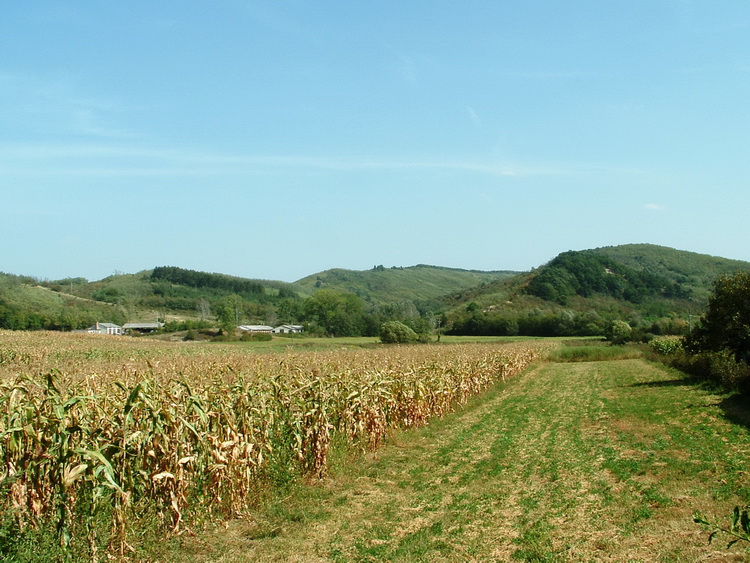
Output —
<point x="590" y="461"/>
<point x="93" y="426"/>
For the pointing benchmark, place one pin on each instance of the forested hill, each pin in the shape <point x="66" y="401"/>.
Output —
<point x="389" y="285"/>
<point x="653" y="287"/>
<point x="633" y="272"/>
<point x="693" y="271"/>
<point x="26" y="304"/>
<point x="165" y="293"/>
<point x="589" y="273"/>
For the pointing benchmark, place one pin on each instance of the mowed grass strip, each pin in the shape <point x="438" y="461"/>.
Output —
<point x="589" y="461"/>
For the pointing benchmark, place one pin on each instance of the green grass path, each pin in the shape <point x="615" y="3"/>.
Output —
<point x="595" y="461"/>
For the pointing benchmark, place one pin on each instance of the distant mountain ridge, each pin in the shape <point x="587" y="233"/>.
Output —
<point x="634" y="282"/>
<point x="169" y="292"/>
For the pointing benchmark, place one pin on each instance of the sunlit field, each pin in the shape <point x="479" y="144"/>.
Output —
<point x="100" y="432"/>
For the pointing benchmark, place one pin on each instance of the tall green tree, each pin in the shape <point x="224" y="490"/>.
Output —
<point x="335" y="312"/>
<point x="229" y="313"/>
<point x="726" y="323"/>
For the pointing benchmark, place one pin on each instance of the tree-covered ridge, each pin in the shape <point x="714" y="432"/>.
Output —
<point x="197" y="279"/>
<point x="381" y="285"/>
<point x="587" y="273"/>
<point x="655" y="289"/>
<point x="691" y="269"/>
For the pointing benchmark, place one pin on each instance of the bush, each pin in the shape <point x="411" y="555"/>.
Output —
<point x="718" y="350"/>
<point x="395" y="332"/>
<point x="618" y="332"/>
<point x="666" y="346"/>
<point x="256" y="336"/>
<point x="719" y="369"/>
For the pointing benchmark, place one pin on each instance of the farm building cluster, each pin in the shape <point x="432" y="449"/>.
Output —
<point x="127" y="328"/>
<point x="145" y="328"/>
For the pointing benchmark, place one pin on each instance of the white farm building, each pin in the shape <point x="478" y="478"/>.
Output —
<point x="256" y="328"/>
<point x="104" y="328"/>
<point x="281" y="329"/>
<point x="288" y="329"/>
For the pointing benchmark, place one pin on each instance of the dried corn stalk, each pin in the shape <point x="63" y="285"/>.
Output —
<point x="87" y="422"/>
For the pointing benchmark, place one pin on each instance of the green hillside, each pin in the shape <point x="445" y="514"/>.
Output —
<point x="25" y="304"/>
<point x="388" y="285"/>
<point x="185" y="297"/>
<point x="172" y="293"/>
<point x="689" y="269"/>
<point x="656" y="288"/>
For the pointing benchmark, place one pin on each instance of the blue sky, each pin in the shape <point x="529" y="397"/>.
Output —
<point x="278" y="139"/>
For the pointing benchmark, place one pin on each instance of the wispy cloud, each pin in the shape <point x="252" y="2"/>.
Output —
<point x="411" y="66"/>
<point x="654" y="207"/>
<point x="473" y="116"/>
<point x="90" y="122"/>
<point x="59" y="104"/>
<point x="36" y="160"/>
<point x="554" y="74"/>
<point x="126" y="159"/>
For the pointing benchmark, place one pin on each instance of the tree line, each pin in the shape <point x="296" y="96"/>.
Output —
<point x="197" y="279"/>
<point x="68" y="317"/>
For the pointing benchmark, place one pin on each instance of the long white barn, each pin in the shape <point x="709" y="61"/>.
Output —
<point x="281" y="329"/>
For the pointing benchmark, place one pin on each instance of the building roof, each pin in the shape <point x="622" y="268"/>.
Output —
<point x="256" y="328"/>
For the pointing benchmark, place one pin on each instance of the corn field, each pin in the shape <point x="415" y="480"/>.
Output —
<point x="92" y="425"/>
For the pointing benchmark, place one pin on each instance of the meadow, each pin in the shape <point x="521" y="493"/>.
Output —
<point x="105" y="441"/>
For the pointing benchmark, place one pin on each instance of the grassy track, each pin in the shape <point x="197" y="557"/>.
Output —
<point x="591" y="461"/>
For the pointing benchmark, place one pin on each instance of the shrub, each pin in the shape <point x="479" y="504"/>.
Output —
<point x="256" y="337"/>
<point x="395" y="332"/>
<point x="618" y="332"/>
<point x="717" y="368"/>
<point x="666" y="346"/>
<point x="718" y="350"/>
